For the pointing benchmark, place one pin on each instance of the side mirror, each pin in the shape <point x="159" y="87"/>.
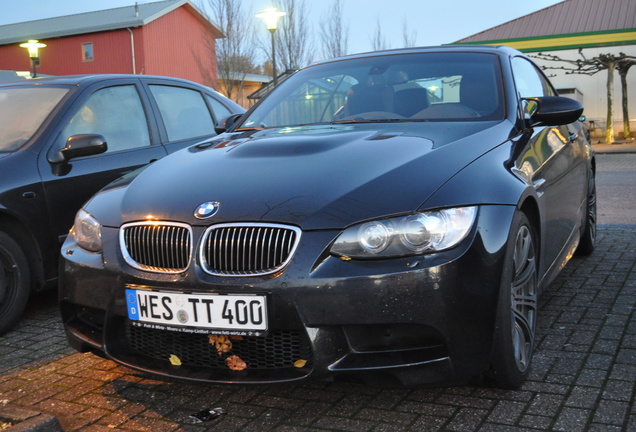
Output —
<point x="78" y="146"/>
<point x="553" y="110"/>
<point x="226" y="123"/>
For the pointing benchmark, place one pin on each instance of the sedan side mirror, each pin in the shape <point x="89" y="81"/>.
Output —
<point x="226" y="123"/>
<point x="78" y="146"/>
<point x="553" y="110"/>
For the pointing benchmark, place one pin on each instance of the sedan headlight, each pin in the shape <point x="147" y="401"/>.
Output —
<point x="87" y="232"/>
<point x="414" y="234"/>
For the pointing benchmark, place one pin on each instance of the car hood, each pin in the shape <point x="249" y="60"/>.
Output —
<point x="319" y="177"/>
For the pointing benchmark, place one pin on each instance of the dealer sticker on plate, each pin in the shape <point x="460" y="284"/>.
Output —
<point x="224" y="314"/>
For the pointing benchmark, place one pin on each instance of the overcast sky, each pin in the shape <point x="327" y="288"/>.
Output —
<point x="434" y="22"/>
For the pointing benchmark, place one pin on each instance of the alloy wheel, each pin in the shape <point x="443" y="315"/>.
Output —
<point x="524" y="298"/>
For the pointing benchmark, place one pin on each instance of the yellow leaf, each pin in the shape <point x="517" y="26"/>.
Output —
<point x="300" y="363"/>
<point x="345" y="258"/>
<point x="174" y="360"/>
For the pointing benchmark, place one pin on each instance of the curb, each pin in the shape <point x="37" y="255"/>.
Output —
<point x="28" y="421"/>
<point x="617" y="147"/>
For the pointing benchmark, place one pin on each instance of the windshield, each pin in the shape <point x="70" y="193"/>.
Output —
<point x="399" y="87"/>
<point x="22" y="111"/>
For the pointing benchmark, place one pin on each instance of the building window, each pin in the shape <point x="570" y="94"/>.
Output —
<point x="87" y="51"/>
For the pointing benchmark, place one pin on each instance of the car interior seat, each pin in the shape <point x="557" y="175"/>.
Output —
<point x="363" y="98"/>
<point x="410" y="101"/>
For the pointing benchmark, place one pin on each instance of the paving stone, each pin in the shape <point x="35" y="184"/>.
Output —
<point x="572" y="420"/>
<point x="467" y="420"/>
<point x="428" y="423"/>
<point x="536" y="422"/>
<point x="611" y="412"/>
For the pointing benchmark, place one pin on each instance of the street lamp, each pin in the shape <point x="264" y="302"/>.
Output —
<point x="33" y="46"/>
<point x="270" y="17"/>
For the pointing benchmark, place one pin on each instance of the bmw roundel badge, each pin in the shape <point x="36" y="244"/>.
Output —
<point x="207" y="210"/>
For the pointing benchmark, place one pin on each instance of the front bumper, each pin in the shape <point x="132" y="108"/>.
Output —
<point x="407" y="321"/>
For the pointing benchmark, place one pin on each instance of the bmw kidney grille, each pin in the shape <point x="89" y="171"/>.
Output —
<point x="226" y="249"/>
<point x="248" y="249"/>
<point x="157" y="246"/>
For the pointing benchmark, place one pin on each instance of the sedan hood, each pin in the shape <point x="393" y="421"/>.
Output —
<point x="318" y="177"/>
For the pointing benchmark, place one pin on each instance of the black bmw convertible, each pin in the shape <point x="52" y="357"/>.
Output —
<point x="390" y="217"/>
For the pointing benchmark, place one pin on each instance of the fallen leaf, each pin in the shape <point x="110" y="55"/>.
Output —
<point x="235" y="363"/>
<point x="223" y="344"/>
<point x="300" y="363"/>
<point x="174" y="360"/>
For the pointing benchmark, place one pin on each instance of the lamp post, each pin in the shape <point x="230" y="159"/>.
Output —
<point x="270" y="17"/>
<point x="34" y="54"/>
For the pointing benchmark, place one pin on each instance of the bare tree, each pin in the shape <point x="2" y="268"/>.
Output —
<point x="293" y="43"/>
<point x="591" y="66"/>
<point x="409" y="38"/>
<point x="235" y="52"/>
<point x="334" y="34"/>
<point x="379" y="42"/>
<point x="623" y="66"/>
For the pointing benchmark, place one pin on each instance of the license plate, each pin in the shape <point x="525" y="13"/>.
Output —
<point x="231" y="314"/>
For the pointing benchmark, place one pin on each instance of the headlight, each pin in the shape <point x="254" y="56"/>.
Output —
<point x="418" y="233"/>
<point x="87" y="232"/>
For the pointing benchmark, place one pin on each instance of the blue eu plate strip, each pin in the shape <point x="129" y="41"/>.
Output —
<point x="131" y="303"/>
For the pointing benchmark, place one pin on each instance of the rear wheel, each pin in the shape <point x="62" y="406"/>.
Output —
<point x="14" y="282"/>
<point x="517" y="310"/>
<point x="588" y="235"/>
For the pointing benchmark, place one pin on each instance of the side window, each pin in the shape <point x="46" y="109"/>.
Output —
<point x="184" y="112"/>
<point x="117" y="114"/>
<point x="218" y="108"/>
<point x="530" y="82"/>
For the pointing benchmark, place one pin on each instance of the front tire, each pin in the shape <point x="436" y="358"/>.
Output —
<point x="14" y="282"/>
<point x="517" y="308"/>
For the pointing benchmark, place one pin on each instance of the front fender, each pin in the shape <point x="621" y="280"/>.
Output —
<point x="487" y="180"/>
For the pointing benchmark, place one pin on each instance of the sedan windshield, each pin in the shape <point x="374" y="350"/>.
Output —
<point x="22" y="111"/>
<point x="387" y="88"/>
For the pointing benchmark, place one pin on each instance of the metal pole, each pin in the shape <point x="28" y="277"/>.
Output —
<point x="33" y="61"/>
<point x="274" y="57"/>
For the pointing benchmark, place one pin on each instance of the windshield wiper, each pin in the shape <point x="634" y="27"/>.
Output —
<point x="388" y="120"/>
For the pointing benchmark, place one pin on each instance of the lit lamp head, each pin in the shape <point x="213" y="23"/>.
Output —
<point x="270" y="16"/>
<point x="33" y="46"/>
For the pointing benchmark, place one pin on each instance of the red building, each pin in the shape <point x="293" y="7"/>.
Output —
<point x="171" y="38"/>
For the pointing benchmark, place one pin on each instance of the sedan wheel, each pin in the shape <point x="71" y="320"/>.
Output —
<point x="517" y="311"/>
<point x="588" y="235"/>
<point x="14" y="282"/>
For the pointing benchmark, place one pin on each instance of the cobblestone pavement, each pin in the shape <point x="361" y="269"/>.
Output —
<point x="616" y="188"/>
<point x="583" y="377"/>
